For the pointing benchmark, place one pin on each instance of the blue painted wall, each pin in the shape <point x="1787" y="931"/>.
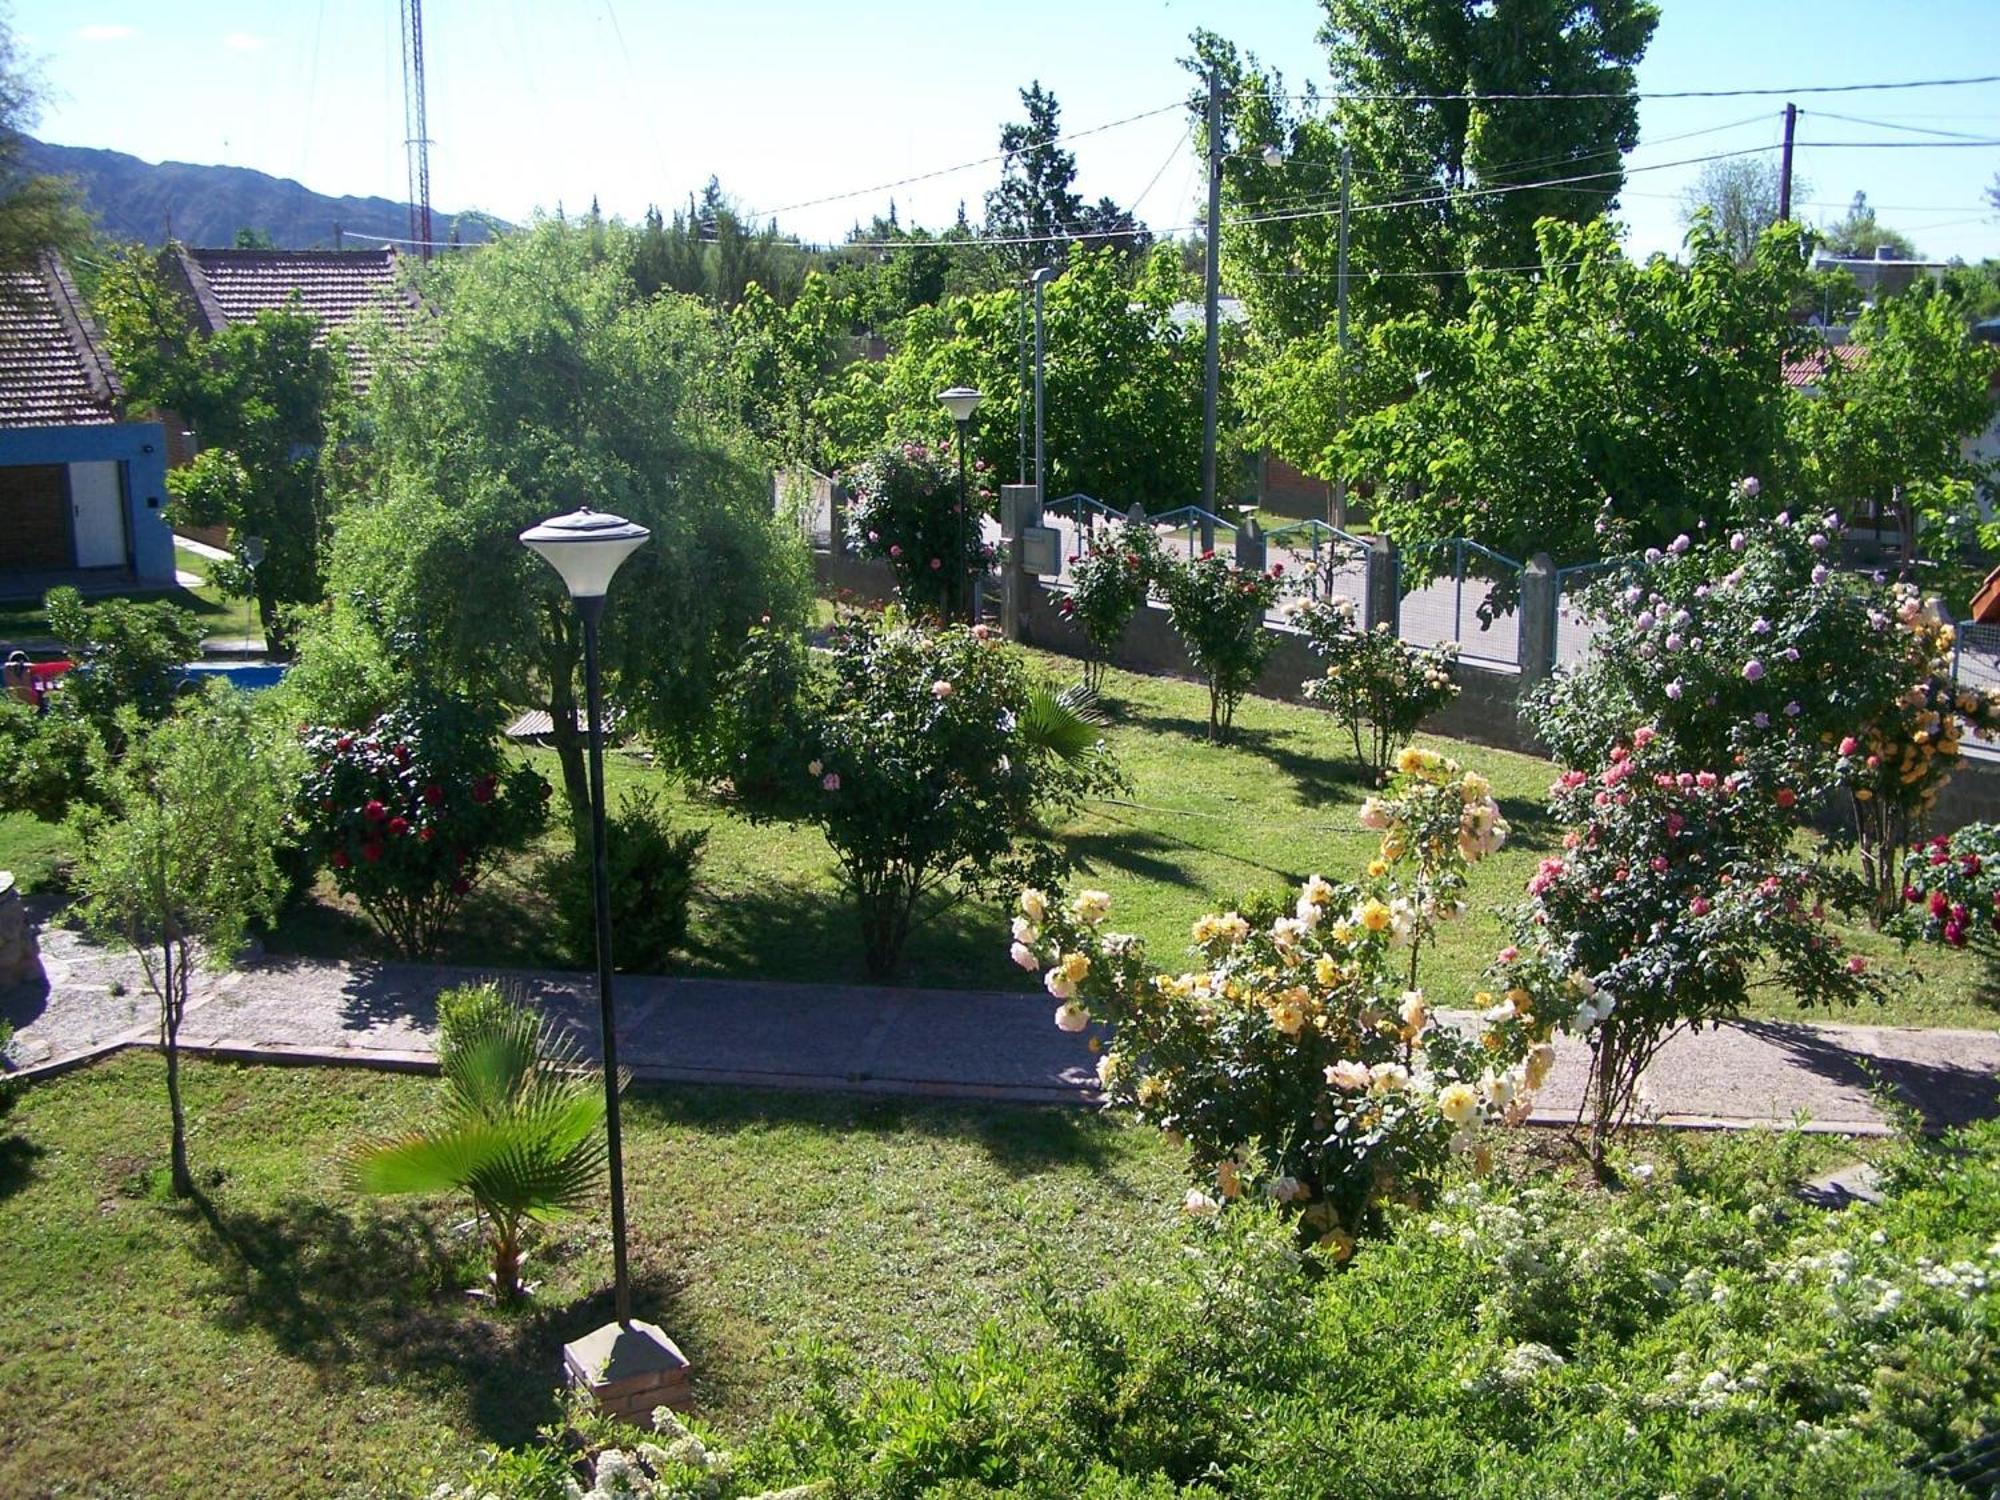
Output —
<point x="142" y="448"/>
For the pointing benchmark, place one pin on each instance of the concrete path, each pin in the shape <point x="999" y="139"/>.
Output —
<point x="904" y="1041"/>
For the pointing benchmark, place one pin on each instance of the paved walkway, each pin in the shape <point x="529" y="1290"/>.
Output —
<point x="906" y="1041"/>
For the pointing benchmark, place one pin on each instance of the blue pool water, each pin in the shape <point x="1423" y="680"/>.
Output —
<point x="246" y="675"/>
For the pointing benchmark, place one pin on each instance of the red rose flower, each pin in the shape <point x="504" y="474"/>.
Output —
<point x="482" y="789"/>
<point x="371" y="851"/>
<point x="399" y="826"/>
<point x="433" y="794"/>
<point x="345" y="742"/>
<point x="402" y="753"/>
<point x="340" y="859"/>
<point x="426" y="834"/>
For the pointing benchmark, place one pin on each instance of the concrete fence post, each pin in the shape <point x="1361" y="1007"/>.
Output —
<point x="836" y="511"/>
<point x="1539" y="601"/>
<point x="1383" y="599"/>
<point x="1250" y="546"/>
<point x="1020" y="508"/>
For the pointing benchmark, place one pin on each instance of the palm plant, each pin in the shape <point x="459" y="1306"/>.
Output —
<point x="520" y="1132"/>
<point x="1067" y="724"/>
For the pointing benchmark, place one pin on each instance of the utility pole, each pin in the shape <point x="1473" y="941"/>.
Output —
<point x="416" y="127"/>
<point x="1021" y="405"/>
<point x="1212" y="356"/>
<point x="1340" y="398"/>
<point x="1785" y="170"/>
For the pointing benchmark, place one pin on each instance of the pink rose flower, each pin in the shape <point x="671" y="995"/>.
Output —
<point x="831" y="781"/>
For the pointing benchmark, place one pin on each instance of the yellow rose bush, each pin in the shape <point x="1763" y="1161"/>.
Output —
<point x="1299" y="1061"/>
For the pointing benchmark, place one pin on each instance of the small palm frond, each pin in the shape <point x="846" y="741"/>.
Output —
<point x="1067" y="724"/>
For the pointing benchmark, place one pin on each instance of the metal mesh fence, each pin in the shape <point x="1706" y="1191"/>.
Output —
<point x="1975" y="658"/>
<point x="1463" y="592"/>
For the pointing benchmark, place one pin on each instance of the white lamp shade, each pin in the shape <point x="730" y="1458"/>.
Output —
<point x="1274" y="156"/>
<point x="961" y="401"/>
<point x="586" y="547"/>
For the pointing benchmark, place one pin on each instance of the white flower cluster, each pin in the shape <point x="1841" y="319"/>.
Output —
<point x="646" y="1470"/>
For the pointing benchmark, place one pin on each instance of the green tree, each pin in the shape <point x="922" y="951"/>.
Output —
<point x="1886" y="432"/>
<point x="1741" y="196"/>
<point x="37" y="213"/>
<point x="709" y="251"/>
<point x="1597" y="384"/>
<point x="1122" y="382"/>
<point x="546" y="382"/>
<point x="1860" y="235"/>
<point x="181" y="863"/>
<point x="1440" y="184"/>
<point x="1036" y="201"/>
<point x="262" y="396"/>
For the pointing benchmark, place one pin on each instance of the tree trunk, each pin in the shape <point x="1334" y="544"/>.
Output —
<point x="172" y="1004"/>
<point x="571" y="742"/>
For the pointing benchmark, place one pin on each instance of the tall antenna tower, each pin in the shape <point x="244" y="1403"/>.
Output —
<point x="416" y="133"/>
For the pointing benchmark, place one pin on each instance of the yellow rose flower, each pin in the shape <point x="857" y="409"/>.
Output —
<point x="1458" y="1102"/>
<point x="1327" y="972"/>
<point x="1378" y="868"/>
<point x="1075" y="966"/>
<point x="1375" y="916"/>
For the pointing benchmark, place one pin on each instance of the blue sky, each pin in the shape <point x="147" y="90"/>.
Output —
<point x="535" y="102"/>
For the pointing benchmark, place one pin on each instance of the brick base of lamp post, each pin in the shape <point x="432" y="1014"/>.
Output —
<point x="629" y="1371"/>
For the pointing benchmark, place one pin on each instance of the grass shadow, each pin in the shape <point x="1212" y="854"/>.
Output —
<point x="802" y="932"/>
<point x="378" y="1296"/>
<point x="18" y="1156"/>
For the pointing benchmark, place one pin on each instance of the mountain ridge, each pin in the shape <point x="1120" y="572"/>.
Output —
<point x="134" y="199"/>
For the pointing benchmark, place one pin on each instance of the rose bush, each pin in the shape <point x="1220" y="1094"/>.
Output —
<point x="932" y="764"/>
<point x="1676" y="890"/>
<point x="905" y="508"/>
<point x="411" y="812"/>
<point x="1218" y="612"/>
<point x="1951" y="890"/>
<point x="1108" y="584"/>
<point x="1373" y="677"/>
<point x="1299" y="1061"/>
<point x="1749" y="642"/>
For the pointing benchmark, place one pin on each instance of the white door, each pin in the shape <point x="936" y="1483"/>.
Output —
<point x="97" y="501"/>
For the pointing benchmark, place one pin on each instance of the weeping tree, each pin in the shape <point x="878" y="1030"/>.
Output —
<point x="520" y="1132"/>
<point x="544" y="382"/>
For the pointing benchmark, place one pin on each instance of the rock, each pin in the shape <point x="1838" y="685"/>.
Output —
<point x="20" y="960"/>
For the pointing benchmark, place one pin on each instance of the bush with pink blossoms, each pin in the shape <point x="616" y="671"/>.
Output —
<point x="1218" y="612"/>
<point x="1108" y="584"/>
<point x="904" y="507"/>
<point x="1745" y="640"/>
<point x="1676" y="891"/>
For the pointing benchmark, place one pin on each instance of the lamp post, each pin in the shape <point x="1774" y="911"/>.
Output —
<point x="252" y="548"/>
<point x="962" y="401"/>
<point x="586" y="548"/>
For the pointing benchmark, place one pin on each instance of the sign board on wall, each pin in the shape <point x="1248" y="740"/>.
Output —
<point x="1041" y="551"/>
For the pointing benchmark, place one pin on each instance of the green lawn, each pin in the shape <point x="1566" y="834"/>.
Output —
<point x="1204" y="825"/>
<point x="25" y="619"/>
<point x="288" y="1338"/>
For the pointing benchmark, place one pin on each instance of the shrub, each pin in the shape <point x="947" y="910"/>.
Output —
<point x="342" y="672"/>
<point x="1373" y="677"/>
<point x="905" y="508"/>
<point x="1676" y="891"/>
<point x="1218" y="612"/>
<point x="651" y="868"/>
<point x="47" y="760"/>
<point x="127" y="655"/>
<point x="1951" y="890"/>
<point x="1749" y="643"/>
<point x="521" y="1127"/>
<point x="1300" y="1059"/>
<point x="1108" y="584"/>
<point x="411" y="812"/>
<point x="751" y="737"/>
<point x="930" y="765"/>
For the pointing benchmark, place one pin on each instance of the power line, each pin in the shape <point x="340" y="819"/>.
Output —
<point x="964" y="166"/>
<point x="1758" y="93"/>
<point x="1957" y="135"/>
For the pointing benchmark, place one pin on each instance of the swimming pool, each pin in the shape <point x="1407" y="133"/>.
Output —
<point x="248" y="676"/>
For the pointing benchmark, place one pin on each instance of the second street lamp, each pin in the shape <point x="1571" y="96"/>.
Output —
<point x="962" y="401"/>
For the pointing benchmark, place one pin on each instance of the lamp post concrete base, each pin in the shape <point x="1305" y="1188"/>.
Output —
<point x="629" y="1369"/>
<point x="20" y="962"/>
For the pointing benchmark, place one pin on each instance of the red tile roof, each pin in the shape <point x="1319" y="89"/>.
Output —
<point x="333" y="286"/>
<point x="53" y="372"/>
<point x="1804" y="374"/>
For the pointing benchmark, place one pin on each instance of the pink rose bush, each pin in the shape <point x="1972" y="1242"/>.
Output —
<point x="1675" y="891"/>
<point x="1218" y="611"/>
<point x="1298" y="1061"/>
<point x="1109" y="580"/>
<point x="904" y="507"/>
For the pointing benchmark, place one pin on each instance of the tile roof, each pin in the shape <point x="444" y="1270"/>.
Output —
<point x="1804" y="374"/>
<point x="53" y="372"/>
<point x="333" y="286"/>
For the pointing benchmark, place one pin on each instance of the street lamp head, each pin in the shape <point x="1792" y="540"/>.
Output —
<point x="586" y="547"/>
<point x="1043" y="276"/>
<point x="252" y="548"/>
<point x="1274" y="156"/>
<point x="961" y="401"/>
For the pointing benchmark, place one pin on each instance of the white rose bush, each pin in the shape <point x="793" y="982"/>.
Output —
<point x="1300" y="1062"/>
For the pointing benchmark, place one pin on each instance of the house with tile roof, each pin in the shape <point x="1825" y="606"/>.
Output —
<point x="333" y="287"/>
<point x="82" y="490"/>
